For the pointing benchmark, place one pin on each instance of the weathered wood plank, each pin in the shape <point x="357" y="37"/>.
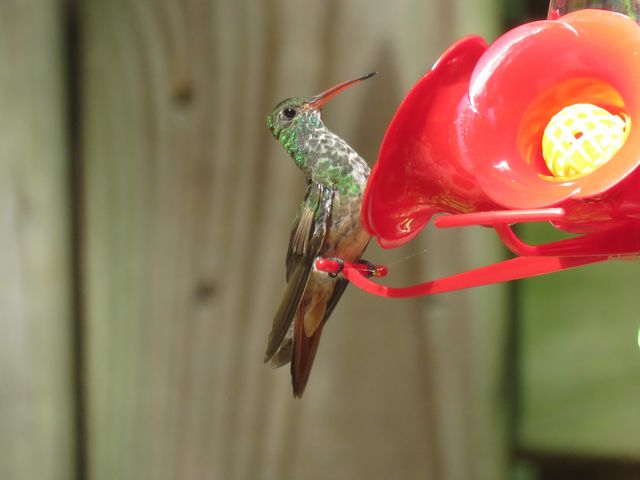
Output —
<point x="189" y="205"/>
<point x="580" y="361"/>
<point x="36" y="392"/>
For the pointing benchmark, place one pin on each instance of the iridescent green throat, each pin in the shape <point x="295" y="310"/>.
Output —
<point x="289" y="140"/>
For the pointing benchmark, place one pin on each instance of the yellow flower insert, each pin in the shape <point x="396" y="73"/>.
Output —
<point x="581" y="138"/>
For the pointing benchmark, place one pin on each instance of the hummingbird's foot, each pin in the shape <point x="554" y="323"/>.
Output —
<point x="370" y="269"/>
<point x="334" y="266"/>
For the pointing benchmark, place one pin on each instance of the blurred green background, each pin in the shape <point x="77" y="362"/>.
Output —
<point x="144" y="218"/>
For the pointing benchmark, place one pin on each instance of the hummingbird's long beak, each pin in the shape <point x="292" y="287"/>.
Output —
<point x="319" y="100"/>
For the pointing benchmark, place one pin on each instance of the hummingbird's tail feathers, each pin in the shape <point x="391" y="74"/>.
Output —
<point x="310" y="320"/>
<point x="304" y="353"/>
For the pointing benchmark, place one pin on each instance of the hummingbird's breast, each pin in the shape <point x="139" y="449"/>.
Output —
<point x="346" y="237"/>
<point x="332" y="162"/>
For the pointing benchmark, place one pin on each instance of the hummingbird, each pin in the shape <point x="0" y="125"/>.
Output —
<point x="327" y="225"/>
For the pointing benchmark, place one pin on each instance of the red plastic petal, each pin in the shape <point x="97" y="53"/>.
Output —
<point x="403" y="190"/>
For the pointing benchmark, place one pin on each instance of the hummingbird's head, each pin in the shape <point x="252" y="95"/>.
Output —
<point x="293" y="112"/>
<point x="305" y="111"/>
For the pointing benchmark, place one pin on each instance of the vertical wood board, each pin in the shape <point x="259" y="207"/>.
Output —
<point x="36" y="390"/>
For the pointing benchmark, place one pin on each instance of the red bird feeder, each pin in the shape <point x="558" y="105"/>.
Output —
<point x="542" y="125"/>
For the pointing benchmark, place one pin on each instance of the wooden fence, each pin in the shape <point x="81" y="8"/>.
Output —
<point x="144" y="217"/>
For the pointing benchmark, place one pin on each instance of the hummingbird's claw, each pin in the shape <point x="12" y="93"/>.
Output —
<point x="370" y="270"/>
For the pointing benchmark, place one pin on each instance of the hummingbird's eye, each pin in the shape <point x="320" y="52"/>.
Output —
<point x="289" y="113"/>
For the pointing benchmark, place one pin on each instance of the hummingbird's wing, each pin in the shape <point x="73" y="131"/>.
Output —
<point x="301" y="230"/>
<point x="305" y="347"/>
<point x="304" y="353"/>
<point x="305" y="242"/>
